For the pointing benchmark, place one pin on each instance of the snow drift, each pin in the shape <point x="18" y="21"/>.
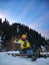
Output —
<point x="6" y="59"/>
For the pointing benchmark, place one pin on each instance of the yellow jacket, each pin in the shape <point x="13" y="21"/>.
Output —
<point x="22" y="44"/>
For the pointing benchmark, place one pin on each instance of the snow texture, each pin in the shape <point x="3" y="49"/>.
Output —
<point x="6" y="59"/>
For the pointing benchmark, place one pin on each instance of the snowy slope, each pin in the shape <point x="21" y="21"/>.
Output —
<point x="10" y="60"/>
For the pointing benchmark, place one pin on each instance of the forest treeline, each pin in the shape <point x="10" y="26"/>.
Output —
<point x="17" y="29"/>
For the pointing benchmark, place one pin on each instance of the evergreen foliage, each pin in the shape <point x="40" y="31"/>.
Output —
<point x="7" y="31"/>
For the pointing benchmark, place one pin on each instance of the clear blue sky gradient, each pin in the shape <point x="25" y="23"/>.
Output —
<point x="34" y="13"/>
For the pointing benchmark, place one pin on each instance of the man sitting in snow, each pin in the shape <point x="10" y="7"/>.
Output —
<point x="25" y="46"/>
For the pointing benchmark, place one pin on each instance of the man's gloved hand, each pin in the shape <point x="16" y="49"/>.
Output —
<point x="24" y="44"/>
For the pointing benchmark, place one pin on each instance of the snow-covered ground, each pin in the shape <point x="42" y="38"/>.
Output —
<point x="6" y="59"/>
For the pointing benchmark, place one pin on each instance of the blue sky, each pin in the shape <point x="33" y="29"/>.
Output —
<point x="34" y="13"/>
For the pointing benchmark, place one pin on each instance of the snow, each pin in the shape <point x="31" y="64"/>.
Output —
<point x="13" y="52"/>
<point x="6" y="59"/>
<point x="44" y="53"/>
